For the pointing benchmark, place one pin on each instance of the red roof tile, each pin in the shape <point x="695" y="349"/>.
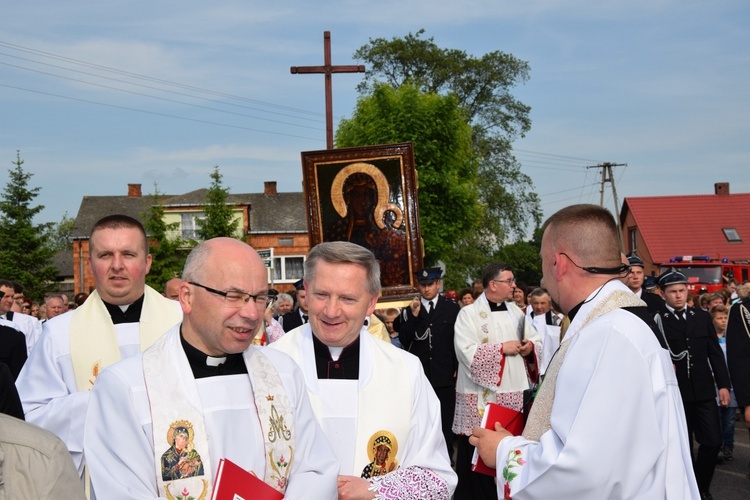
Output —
<point x="692" y="225"/>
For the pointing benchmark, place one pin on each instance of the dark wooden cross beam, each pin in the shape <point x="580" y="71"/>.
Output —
<point x="328" y="69"/>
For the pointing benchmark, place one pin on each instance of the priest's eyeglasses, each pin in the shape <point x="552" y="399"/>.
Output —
<point x="508" y="282"/>
<point x="234" y="298"/>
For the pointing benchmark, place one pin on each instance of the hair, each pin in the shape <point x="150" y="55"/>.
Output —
<point x="391" y="312"/>
<point x="119" y="221"/>
<point x="538" y="292"/>
<point x="195" y="261"/>
<point x="589" y="232"/>
<point x="344" y="252"/>
<point x="492" y="271"/>
<point x="80" y="298"/>
<point x="54" y="296"/>
<point x="743" y="291"/>
<point x="284" y="297"/>
<point x="6" y="284"/>
<point x="464" y="292"/>
<point x="17" y="287"/>
<point x="718" y="310"/>
<point x="703" y="299"/>
<point x="715" y="296"/>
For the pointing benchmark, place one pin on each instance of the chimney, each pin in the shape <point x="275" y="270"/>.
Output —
<point x="721" y="188"/>
<point x="134" y="191"/>
<point x="269" y="187"/>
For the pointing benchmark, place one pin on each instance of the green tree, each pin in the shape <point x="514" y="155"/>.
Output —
<point x="168" y="254"/>
<point x="448" y="203"/>
<point x="59" y="234"/>
<point x="219" y="220"/>
<point x="482" y="87"/>
<point x="25" y="254"/>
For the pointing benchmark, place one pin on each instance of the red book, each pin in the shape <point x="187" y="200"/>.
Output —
<point x="512" y="420"/>
<point x="235" y="483"/>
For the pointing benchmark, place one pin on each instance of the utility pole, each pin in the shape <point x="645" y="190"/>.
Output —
<point x="608" y="177"/>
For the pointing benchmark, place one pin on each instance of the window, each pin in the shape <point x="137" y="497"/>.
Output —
<point x="287" y="268"/>
<point x="731" y="235"/>
<point x="190" y="223"/>
<point x="633" y="239"/>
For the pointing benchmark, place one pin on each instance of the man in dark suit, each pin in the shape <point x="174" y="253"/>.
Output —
<point x="298" y="316"/>
<point x="738" y="351"/>
<point x="635" y="283"/>
<point x="425" y="329"/>
<point x="698" y="361"/>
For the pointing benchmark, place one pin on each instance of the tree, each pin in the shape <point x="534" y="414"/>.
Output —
<point x="168" y="254"/>
<point x="219" y="220"/>
<point x="26" y="253"/>
<point x="482" y="88"/>
<point x="448" y="203"/>
<point x="59" y="234"/>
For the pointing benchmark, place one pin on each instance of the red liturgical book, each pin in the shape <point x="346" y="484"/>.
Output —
<point x="512" y="420"/>
<point x="235" y="483"/>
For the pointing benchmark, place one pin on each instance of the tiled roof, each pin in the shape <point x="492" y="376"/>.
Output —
<point x="94" y="208"/>
<point x="278" y="213"/>
<point x="198" y="198"/>
<point x="692" y="225"/>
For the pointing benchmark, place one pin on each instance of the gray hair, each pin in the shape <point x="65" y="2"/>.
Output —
<point x="195" y="261"/>
<point x="284" y="297"/>
<point x="343" y="252"/>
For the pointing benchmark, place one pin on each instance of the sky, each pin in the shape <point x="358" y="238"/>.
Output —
<point x="99" y="95"/>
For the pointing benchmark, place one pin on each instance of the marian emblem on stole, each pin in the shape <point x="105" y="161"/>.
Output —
<point x="382" y="448"/>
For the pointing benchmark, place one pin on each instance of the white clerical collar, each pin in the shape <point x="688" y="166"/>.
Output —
<point x="335" y="352"/>
<point x="211" y="361"/>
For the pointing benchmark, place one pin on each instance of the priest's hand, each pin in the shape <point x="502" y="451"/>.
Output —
<point x="511" y="347"/>
<point x="724" y="397"/>
<point x="354" y="488"/>
<point x="486" y="441"/>
<point x="527" y="347"/>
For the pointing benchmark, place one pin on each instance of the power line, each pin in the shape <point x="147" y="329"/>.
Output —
<point x="88" y="101"/>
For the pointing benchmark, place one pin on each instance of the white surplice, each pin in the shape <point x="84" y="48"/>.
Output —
<point x="47" y="383"/>
<point x="617" y="424"/>
<point x="424" y="466"/>
<point x="118" y="434"/>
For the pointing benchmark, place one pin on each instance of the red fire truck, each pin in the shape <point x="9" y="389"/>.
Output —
<point x="706" y="274"/>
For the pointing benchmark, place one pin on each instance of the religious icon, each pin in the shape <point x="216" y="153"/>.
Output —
<point x="367" y="196"/>
<point x="180" y="460"/>
<point x="381" y="450"/>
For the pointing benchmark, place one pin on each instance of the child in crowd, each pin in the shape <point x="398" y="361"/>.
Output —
<point x="720" y="314"/>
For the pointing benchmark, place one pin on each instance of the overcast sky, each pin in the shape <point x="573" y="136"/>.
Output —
<point x="96" y="95"/>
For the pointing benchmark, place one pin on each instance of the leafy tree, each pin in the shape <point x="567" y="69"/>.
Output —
<point x="482" y="87"/>
<point x="219" y="220"/>
<point x="168" y="254"/>
<point x="25" y="254"/>
<point x="59" y="233"/>
<point x="442" y="149"/>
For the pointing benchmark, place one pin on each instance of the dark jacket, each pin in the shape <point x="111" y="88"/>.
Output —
<point x="697" y="335"/>
<point x="12" y="349"/>
<point x="436" y="351"/>
<point x="291" y="320"/>
<point x="738" y="350"/>
<point x="653" y="301"/>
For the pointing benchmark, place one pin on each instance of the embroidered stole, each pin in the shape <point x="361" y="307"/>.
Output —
<point x="539" y="418"/>
<point x="384" y="409"/>
<point x="93" y="340"/>
<point x="176" y="410"/>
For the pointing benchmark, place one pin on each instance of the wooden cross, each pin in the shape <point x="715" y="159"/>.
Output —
<point x="327" y="69"/>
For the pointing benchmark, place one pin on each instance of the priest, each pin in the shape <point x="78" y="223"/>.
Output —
<point x="159" y="423"/>
<point x="372" y="399"/>
<point x="122" y="317"/>
<point x="607" y="421"/>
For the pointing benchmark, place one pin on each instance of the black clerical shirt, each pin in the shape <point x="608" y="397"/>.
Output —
<point x="131" y="315"/>
<point x="233" y="365"/>
<point x="346" y="367"/>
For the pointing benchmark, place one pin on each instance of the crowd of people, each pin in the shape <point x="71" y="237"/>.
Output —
<point x="322" y="392"/>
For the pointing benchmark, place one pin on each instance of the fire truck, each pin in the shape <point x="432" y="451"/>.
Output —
<point x="705" y="274"/>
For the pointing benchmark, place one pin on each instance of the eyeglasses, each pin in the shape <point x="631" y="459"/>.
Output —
<point x="237" y="299"/>
<point x="509" y="281"/>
